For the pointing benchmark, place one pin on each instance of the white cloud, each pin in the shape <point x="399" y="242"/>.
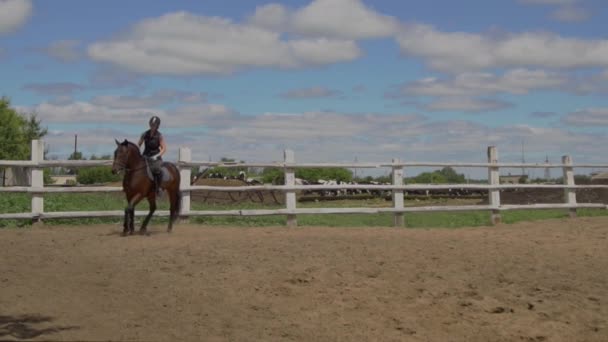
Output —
<point x="188" y="109"/>
<point x="460" y="51"/>
<point x="517" y="81"/>
<point x="347" y="19"/>
<point x="344" y="19"/>
<point x="215" y="131"/>
<point x="64" y="50"/>
<point x="273" y="17"/>
<point x="184" y="44"/>
<point x="13" y="14"/>
<point x="309" y="93"/>
<point x="588" y="117"/>
<point x="462" y="92"/>
<point x="604" y="75"/>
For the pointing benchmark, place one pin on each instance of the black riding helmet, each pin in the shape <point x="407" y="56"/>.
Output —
<point x="155" y="121"/>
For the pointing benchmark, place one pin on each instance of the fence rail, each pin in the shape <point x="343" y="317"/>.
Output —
<point x="398" y="189"/>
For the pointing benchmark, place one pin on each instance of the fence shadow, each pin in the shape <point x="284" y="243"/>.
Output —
<point x="23" y="326"/>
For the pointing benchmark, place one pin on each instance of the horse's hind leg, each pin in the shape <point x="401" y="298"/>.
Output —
<point x="174" y="199"/>
<point x="152" y="202"/>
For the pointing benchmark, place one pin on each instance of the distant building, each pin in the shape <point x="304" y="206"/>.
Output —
<point x="599" y="178"/>
<point x="14" y="176"/>
<point x="63" y="179"/>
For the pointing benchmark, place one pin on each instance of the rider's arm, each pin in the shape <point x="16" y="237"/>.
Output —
<point x="163" y="146"/>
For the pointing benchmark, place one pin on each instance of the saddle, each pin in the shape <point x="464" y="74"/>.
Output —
<point x="166" y="175"/>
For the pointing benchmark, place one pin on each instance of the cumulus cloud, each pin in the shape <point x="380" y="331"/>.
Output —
<point x="344" y="19"/>
<point x="347" y="19"/>
<point x="589" y="117"/>
<point x="462" y="51"/>
<point x="175" y="108"/>
<point x="182" y="44"/>
<point x="468" y="91"/>
<point x="13" y="14"/>
<point x="517" y="81"/>
<point x="213" y="131"/>
<point x="309" y="93"/>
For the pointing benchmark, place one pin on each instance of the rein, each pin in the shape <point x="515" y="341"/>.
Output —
<point x="123" y="166"/>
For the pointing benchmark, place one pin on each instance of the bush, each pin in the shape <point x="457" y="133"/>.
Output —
<point x="96" y="175"/>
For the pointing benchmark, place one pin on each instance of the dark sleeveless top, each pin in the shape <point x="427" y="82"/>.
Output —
<point x="152" y="143"/>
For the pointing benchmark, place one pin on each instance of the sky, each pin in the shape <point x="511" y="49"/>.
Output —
<point x="332" y="80"/>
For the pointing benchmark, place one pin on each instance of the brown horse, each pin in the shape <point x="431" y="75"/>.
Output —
<point x="138" y="185"/>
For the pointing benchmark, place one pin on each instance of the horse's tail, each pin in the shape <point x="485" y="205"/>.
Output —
<point x="178" y="198"/>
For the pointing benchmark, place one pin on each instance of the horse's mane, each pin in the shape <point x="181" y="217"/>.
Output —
<point x="131" y="145"/>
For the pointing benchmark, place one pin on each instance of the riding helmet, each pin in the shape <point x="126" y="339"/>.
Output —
<point x="155" y="121"/>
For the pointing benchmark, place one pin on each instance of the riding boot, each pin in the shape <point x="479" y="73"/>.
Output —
<point x="158" y="178"/>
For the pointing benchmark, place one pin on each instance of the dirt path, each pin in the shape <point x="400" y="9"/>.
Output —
<point x="544" y="281"/>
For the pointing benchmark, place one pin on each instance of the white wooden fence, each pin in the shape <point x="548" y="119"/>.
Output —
<point x="185" y="163"/>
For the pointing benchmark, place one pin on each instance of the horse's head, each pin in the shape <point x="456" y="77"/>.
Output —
<point x="123" y="151"/>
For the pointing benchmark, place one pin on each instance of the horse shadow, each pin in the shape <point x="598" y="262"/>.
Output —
<point x="23" y="326"/>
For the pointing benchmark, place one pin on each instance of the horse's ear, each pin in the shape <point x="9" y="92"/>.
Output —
<point x="117" y="143"/>
<point x="125" y="142"/>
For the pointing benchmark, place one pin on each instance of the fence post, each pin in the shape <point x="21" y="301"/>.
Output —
<point x="290" y="195"/>
<point x="185" y="155"/>
<point x="569" y="194"/>
<point x="37" y="180"/>
<point x="398" y="194"/>
<point x="494" y="179"/>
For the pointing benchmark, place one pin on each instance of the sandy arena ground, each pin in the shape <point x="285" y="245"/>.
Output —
<point x="540" y="281"/>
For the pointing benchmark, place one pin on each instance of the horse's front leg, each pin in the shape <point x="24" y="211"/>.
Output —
<point x="131" y="220"/>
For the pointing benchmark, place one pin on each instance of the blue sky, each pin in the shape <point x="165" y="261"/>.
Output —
<point x="331" y="79"/>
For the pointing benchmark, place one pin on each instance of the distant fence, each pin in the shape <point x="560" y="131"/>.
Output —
<point x="289" y="165"/>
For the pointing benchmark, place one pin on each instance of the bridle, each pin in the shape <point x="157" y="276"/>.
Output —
<point x="122" y="166"/>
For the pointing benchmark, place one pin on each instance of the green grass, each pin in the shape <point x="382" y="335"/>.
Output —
<point x="19" y="202"/>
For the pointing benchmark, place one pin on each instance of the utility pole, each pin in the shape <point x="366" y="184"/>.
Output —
<point x="547" y="170"/>
<point x="523" y="159"/>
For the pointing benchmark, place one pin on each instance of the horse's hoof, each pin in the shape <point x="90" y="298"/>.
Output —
<point x="123" y="234"/>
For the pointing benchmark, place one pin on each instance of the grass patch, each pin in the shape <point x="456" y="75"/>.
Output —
<point x="21" y="202"/>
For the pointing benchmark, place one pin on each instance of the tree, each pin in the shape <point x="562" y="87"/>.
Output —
<point x="333" y="173"/>
<point x="430" y="178"/>
<point x="17" y="131"/>
<point x="452" y="177"/>
<point x="76" y="156"/>
<point x="97" y="175"/>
